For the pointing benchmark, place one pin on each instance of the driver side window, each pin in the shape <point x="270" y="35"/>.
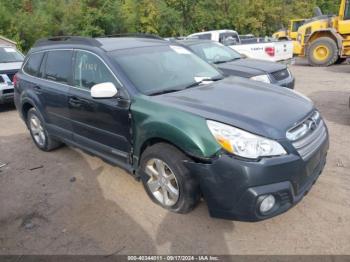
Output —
<point x="89" y="70"/>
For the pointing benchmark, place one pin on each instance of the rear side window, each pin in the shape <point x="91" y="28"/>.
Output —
<point x="59" y="66"/>
<point x="228" y="38"/>
<point x="33" y="64"/>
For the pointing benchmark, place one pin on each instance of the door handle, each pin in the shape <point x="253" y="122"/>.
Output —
<point x="37" y="89"/>
<point x="74" y="102"/>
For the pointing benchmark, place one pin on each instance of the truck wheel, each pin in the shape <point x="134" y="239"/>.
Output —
<point x="322" y="52"/>
<point x="39" y="134"/>
<point x="166" y="179"/>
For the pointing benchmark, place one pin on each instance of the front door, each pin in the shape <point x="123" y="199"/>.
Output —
<point x="101" y="125"/>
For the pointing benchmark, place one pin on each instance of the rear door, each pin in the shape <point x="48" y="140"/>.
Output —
<point x="56" y="71"/>
<point x="99" y="124"/>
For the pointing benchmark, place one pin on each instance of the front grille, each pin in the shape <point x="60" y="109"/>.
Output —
<point x="312" y="133"/>
<point x="8" y="91"/>
<point x="280" y="75"/>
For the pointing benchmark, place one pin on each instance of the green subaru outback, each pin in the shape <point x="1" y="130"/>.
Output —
<point x="250" y="149"/>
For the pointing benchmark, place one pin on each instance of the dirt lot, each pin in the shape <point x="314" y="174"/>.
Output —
<point x="66" y="202"/>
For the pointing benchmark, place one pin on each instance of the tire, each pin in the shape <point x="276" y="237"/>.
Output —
<point x="172" y="162"/>
<point x="322" y="52"/>
<point x="38" y="132"/>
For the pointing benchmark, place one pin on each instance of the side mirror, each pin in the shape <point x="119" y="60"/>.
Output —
<point x="104" y="90"/>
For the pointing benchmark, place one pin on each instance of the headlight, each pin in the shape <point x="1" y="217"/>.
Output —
<point x="242" y="143"/>
<point x="261" y="78"/>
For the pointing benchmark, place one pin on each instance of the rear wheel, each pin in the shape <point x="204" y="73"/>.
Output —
<point x="166" y="179"/>
<point x="322" y="52"/>
<point x="39" y="134"/>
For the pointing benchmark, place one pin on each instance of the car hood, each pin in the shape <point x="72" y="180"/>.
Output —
<point x="250" y="67"/>
<point x="263" y="109"/>
<point x="10" y="66"/>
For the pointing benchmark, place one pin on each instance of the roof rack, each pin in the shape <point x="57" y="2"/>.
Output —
<point x="67" y="40"/>
<point x="137" y="35"/>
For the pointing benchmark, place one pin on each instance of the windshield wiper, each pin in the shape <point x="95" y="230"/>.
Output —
<point x="197" y="83"/>
<point x="226" y="61"/>
<point x="164" y="92"/>
<point x="209" y="79"/>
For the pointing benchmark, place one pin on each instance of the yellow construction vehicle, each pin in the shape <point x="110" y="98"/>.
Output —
<point x="291" y="33"/>
<point x="325" y="39"/>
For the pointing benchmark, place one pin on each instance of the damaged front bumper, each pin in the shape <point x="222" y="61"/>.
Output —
<point x="233" y="188"/>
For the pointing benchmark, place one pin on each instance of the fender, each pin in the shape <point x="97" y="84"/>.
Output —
<point x="153" y="121"/>
<point x="328" y="31"/>
<point x="30" y="97"/>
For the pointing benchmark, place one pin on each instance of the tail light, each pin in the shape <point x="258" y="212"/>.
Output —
<point x="270" y="51"/>
<point x="15" y="80"/>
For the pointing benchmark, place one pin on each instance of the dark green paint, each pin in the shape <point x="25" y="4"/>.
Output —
<point x="152" y="120"/>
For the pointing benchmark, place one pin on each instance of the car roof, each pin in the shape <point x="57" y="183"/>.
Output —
<point x="112" y="44"/>
<point x="105" y="43"/>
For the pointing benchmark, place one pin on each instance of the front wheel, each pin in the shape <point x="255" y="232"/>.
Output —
<point x="323" y="52"/>
<point x="166" y="180"/>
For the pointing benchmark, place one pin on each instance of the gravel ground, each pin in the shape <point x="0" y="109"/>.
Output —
<point x="67" y="202"/>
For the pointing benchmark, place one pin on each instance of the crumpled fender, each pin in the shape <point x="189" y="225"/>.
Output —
<point x="154" y="121"/>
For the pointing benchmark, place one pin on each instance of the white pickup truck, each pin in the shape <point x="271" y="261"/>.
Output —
<point x="258" y="48"/>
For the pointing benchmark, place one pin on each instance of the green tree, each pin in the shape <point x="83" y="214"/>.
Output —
<point x="35" y="19"/>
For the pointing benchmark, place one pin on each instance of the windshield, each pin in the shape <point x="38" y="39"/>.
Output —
<point x="163" y="68"/>
<point x="9" y="55"/>
<point x="215" y="52"/>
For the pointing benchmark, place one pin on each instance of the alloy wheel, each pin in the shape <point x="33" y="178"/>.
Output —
<point x="37" y="130"/>
<point x="162" y="182"/>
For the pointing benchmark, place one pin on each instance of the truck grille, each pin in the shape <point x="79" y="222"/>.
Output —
<point x="280" y="75"/>
<point x="308" y="136"/>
